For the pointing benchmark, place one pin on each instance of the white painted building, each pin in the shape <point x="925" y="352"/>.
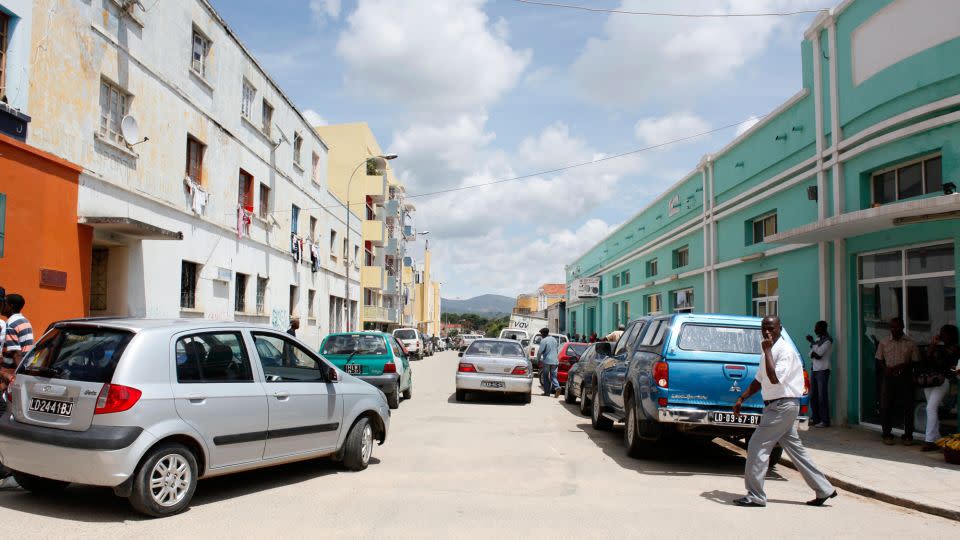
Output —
<point x="220" y="141"/>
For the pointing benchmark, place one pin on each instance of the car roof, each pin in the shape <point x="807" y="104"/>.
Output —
<point x="364" y="333"/>
<point x="718" y="318"/>
<point x="135" y="324"/>
<point x="498" y="340"/>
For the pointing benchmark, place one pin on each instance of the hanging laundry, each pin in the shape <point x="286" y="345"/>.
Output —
<point x="314" y="257"/>
<point x="244" y="219"/>
<point x="296" y="248"/>
<point x="198" y="196"/>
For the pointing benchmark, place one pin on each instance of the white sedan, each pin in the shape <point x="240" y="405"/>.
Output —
<point x="494" y="365"/>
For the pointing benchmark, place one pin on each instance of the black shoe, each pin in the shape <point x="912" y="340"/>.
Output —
<point x="907" y="441"/>
<point x="820" y="500"/>
<point x="888" y="440"/>
<point x="929" y="447"/>
<point x="744" y="501"/>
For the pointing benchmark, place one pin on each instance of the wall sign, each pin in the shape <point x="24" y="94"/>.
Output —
<point x="54" y="279"/>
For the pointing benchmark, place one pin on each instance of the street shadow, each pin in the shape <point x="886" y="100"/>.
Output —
<point x="99" y="505"/>
<point x="486" y="398"/>
<point x="726" y="498"/>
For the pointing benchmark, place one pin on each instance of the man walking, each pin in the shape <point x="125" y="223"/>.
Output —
<point x="821" y="351"/>
<point x="547" y="356"/>
<point x="19" y="336"/>
<point x="896" y="353"/>
<point x="294" y="326"/>
<point x="780" y="381"/>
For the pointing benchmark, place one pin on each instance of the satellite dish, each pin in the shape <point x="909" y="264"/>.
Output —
<point x="130" y="130"/>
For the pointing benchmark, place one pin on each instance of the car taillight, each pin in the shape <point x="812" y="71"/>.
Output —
<point x="662" y="402"/>
<point x="806" y="383"/>
<point x="532" y="354"/>
<point x="661" y="374"/>
<point x="8" y="393"/>
<point x="116" y="398"/>
<point x="389" y="367"/>
<point x="519" y="370"/>
<point x="466" y="368"/>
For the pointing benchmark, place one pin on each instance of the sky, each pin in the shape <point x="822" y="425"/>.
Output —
<point x="471" y="91"/>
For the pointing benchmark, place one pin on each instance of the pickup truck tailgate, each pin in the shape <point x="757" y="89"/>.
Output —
<point x="711" y="384"/>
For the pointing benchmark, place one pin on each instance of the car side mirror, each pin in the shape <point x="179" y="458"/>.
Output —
<point x="604" y="348"/>
<point x="332" y="375"/>
<point x="460" y="354"/>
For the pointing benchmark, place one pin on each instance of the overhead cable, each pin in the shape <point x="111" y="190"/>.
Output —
<point x="671" y="14"/>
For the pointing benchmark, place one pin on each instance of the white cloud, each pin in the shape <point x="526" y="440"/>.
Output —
<point x="639" y="58"/>
<point x="747" y="124"/>
<point x="314" y="118"/>
<point x="663" y="129"/>
<point x="429" y="55"/>
<point x="325" y="9"/>
<point x="432" y="154"/>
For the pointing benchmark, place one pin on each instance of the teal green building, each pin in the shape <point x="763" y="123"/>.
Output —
<point x="839" y="205"/>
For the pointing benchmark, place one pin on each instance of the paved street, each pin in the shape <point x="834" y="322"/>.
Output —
<point x="485" y="468"/>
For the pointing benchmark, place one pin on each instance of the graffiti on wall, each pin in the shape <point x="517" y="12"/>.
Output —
<point x="279" y="319"/>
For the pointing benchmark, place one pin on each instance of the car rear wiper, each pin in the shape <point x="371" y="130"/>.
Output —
<point x="44" y="371"/>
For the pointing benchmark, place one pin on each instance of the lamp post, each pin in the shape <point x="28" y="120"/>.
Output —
<point x="380" y="164"/>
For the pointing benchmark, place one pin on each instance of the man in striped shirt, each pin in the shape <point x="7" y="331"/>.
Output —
<point x="19" y="338"/>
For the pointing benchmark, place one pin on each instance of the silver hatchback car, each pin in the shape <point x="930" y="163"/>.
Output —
<point x="148" y="407"/>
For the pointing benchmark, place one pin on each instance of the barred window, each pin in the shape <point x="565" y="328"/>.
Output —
<point x="188" y="284"/>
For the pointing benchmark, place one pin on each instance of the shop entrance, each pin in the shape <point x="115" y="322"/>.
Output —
<point x="918" y="284"/>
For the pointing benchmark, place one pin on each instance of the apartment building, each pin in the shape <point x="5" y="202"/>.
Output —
<point x="839" y="205"/>
<point x="203" y="184"/>
<point x="426" y="297"/>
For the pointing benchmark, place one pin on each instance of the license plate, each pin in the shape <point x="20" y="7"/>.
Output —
<point x="730" y="418"/>
<point x="354" y="369"/>
<point x="50" y="406"/>
<point x="491" y="384"/>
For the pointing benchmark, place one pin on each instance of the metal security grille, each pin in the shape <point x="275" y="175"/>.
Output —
<point x="98" y="279"/>
<point x="188" y="285"/>
<point x="261" y="294"/>
<point x="240" y="293"/>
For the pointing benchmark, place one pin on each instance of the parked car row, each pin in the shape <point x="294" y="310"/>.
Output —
<point x="673" y="375"/>
<point x="149" y="407"/>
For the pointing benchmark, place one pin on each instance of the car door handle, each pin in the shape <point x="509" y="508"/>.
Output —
<point x="282" y="396"/>
<point x="197" y="399"/>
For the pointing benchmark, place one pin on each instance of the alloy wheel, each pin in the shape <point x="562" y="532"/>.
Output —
<point x="170" y="480"/>
<point x="366" y="443"/>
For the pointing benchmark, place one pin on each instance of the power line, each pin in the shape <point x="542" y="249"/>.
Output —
<point x="550" y="171"/>
<point x="671" y="14"/>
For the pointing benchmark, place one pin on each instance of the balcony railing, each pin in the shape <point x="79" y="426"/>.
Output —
<point x="376" y="313"/>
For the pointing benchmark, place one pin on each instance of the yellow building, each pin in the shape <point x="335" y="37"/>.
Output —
<point x="526" y="303"/>
<point x="426" y="298"/>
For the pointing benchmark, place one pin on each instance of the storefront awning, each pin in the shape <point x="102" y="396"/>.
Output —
<point x="872" y="220"/>
<point x="129" y="227"/>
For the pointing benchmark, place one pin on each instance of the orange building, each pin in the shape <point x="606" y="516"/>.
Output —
<point x="44" y="252"/>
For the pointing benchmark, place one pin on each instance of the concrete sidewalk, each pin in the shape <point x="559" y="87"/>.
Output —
<point x="856" y="460"/>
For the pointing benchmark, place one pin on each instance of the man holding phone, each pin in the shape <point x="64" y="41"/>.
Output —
<point x="780" y="381"/>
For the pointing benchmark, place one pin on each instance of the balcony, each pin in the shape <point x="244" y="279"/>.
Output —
<point x="392" y="246"/>
<point x="372" y="277"/>
<point x="376" y="314"/>
<point x="375" y="188"/>
<point x="392" y="209"/>
<point x="374" y="231"/>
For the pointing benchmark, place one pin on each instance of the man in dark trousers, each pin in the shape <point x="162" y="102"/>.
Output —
<point x="896" y="355"/>
<point x="780" y="381"/>
<point x="821" y="352"/>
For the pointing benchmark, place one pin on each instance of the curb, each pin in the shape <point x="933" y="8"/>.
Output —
<point x="864" y="490"/>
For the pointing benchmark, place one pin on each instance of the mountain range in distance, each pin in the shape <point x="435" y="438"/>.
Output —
<point x="485" y="304"/>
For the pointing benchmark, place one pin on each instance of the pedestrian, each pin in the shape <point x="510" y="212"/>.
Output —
<point x="780" y="381"/>
<point x="593" y="337"/>
<point x="821" y="351"/>
<point x="294" y="326"/>
<point x="896" y="354"/>
<point x="547" y="357"/>
<point x="19" y="332"/>
<point x="614" y="336"/>
<point x="942" y="356"/>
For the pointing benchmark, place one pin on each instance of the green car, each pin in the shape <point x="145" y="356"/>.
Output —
<point x="373" y="357"/>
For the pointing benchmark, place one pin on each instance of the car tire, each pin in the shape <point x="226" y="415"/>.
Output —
<point x="408" y="393"/>
<point x="526" y="398"/>
<point x="38" y="484"/>
<point x="150" y="471"/>
<point x="597" y="420"/>
<point x="567" y="396"/>
<point x="584" y="402"/>
<point x="358" y="447"/>
<point x="461" y="395"/>
<point x="637" y="447"/>
<point x="393" y="399"/>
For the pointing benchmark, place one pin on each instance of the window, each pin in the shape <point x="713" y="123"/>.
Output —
<point x="214" y="357"/>
<point x="681" y="257"/>
<point x="763" y="227"/>
<point x="188" y="284"/>
<point x="294" y="300"/>
<point x="98" y="279"/>
<point x="297" y="147"/>
<point x="650" y="336"/>
<point x="286" y="361"/>
<point x="346" y="249"/>
<point x="261" y="294"/>
<point x="315" y="167"/>
<point x="356" y="253"/>
<point x="294" y="219"/>
<point x="655" y="303"/>
<point x="624" y="312"/>
<point x="919" y="177"/>
<point x="356" y="343"/>
<point x="625" y="278"/>
<point x="311" y="296"/>
<point x="721" y="339"/>
<point x="195" y="151"/>
<point x="313" y="229"/>
<point x="245" y="190"/>
<point x="113" y="107"/>
<point x="246" y="100"/>
<point x="70" y="353"/>
<point x="264" y="201"/>
<point x="240" y="293"/>
<point x="764" y="294"/>
<point x="628" y="337"/>
<point x="333" y="244"/>
<point x="4" y="38"/>
<point x="198" y="58"/>
<point x="616" y="315"/>
<point x="651" y="267"/>
<point x="683" y="301"/>
<point x="616" y="281"/>
<point x="573" y="322"/>
<point x="267" y="117"/>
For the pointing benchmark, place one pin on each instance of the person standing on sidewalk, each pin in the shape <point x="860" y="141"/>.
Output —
<point x="942" y="356"/>
<point x="821" y="351"/>
<point x="896" y="354"/>
<point x="549" y="362"/>
<point x="780" y="382"/>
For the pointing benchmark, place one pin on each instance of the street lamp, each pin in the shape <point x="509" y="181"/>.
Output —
<point x="426" y="240"/>
<point x="379" y="164"/>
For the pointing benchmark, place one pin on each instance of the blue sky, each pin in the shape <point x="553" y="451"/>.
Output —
<point x="468" y="91"/>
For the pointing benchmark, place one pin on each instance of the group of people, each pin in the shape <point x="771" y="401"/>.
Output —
<point x="16" y="340"/>
<point x="593" y="338"/>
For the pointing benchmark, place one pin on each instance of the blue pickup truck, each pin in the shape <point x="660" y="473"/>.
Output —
<point x="681" y="374"/>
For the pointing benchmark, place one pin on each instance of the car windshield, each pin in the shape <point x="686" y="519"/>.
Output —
<point x="722" y="339"/>
<point x="354" y="343"/>
<point x="577" y="348"/>
<point x="494" y="348"/>
<point x="405" y="334"/>
<point x="77" y="354"/>
<point x="514" y="334"/>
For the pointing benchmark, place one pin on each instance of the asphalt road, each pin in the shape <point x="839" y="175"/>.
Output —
<point x="487" y="468"/>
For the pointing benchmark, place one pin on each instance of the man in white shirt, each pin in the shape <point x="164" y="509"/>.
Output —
<point x="821" y="351"/>
<point x="780" y="381"/>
